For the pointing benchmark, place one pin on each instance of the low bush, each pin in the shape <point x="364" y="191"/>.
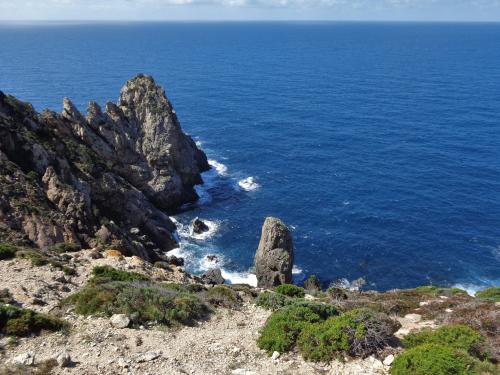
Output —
<point x="106" y="274"/>
<point x="284" y="326"/>
<point x="432" y="359"/>
<point x="312" y="284"/>
<point x="273" y="301"/>
<point x="142" y="301"/>
<point x="37" y="259"/>
<point x="357" y="333"/>
<point x="491" y="294"/>
<point x="23" y="322"/>
<point x="455" y="336"/>
<point x="435" y="290"/>
<point x="290" y="290"/>
<point x="7" y="251"/>
<point x="69" y="271"/>
<point x="66" y="248"/>
<point x="223" y="296"/>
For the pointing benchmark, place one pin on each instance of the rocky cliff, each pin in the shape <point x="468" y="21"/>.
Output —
<point x="105" y="178"/>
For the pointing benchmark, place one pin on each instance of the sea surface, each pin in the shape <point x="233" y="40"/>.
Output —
<point x="377" y="143"/>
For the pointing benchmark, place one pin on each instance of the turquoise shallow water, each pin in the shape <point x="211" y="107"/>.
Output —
<point x="379" y="143"/>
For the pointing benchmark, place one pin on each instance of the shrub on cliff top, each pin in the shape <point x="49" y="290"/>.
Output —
<point x="284" y="326"/>
<point x="7" y="251"/>
<point x="273" y="301"/>
<point x="456" y="336"/>
<point x="290" y="290"/>
<point x="107" y="274"/>
<point x="357" y="333"/>
<point x="431" y="359"/>
<point x="491" y="294"/>
<point x="223" y="296"/>
<point x="140" y="300"/>
<point x="23" y="322"/>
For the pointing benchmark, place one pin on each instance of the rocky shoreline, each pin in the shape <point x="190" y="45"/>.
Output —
<point x="87" y="286"/>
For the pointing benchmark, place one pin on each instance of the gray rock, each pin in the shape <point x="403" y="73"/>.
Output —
<point x="119" y="321"/>
<point x="63" y="359"/>
<point x="25" y="359"/>
<point x="198" y="226"/>
<point x="274" y="257"/>
<point x="213" y="277"/>
<point x="176" y="261"/>
<point x="388" y="360"/>
<point x="149" y="356"/>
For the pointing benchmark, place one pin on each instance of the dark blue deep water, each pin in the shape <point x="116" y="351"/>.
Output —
<point x="379" y="143"/>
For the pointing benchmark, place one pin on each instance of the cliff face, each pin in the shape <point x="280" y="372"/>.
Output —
<point x="106" y="178"/>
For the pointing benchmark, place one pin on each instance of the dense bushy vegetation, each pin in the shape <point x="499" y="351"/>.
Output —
<point x="455" y="349"/>
<point x="23" y="322"/>
<point x="273" y="301"/>
<point x="290" y="290"/>
<point x="106" y="274"/>
<point x="7" y="251"/>
<point x="357" y="333"/>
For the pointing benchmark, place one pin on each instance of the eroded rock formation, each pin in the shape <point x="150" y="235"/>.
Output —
<point x="274" y="257"/>
<point x="108" y="178"/>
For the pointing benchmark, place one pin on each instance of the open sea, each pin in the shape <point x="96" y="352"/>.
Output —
<point x="377" y="143"/>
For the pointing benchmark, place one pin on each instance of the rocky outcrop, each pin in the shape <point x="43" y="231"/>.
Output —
<point x="108" y="178"/>
<point x="213" y="277"/>
<point x="274" y="257"/>
<point x="198" y="226"/>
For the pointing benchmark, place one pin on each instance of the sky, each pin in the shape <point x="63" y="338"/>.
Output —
<point x="143" y="10"/>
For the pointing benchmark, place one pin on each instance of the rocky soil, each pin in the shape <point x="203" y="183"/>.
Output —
<point x="224" y="344"/>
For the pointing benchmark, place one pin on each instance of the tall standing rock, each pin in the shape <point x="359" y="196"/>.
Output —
<point x="274" y="257"/>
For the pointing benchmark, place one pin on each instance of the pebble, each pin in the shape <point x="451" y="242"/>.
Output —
<point x="275" y="356"/>
<point x="388" y="360"/>
<point x="63" y="359"/>
<point x="149" y="356"/>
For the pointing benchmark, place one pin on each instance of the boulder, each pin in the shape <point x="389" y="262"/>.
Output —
<point x="25" y="359"/>
<point x="119" y="321"/>
<point x="63" y="359"/>
<point x="175" y="261"/>
<point x="213" y="277"/>
<point x="274" y="257"/>
<point x="198" y="226"/>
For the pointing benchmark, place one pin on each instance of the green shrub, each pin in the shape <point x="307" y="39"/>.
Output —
<point x="223" y="296"/>
<point x="357" y="333"/>
<point x="37" y="259"/>
<point x="312" y="284"/>
<point x="142" y="301"/>
<point x="7" y="251"/>
<point x="290" y="290"/>
<point x="284" y="326"/>
<point x="107" y="274"/>
<point x="455" y="336"/>
<point x="69" y="271"/>
<point x="435" y="290"/>
<point x="273" y="301"/>
<point x="66" y="248"/>
<point x="23" y="322"/>
<point x="432" y="359"/>
<point x="492" y="294"/>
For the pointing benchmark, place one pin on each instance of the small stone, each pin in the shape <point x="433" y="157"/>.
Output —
<point x="424" y="303"/>
<point x="119" y="321"/>
<point x="149" y="356"/>
<point x="63" y="359"/>
<point x="275" y="356"/>
<point x="448" y="310"/>
<point x="388" y="360"/>
<point x="242" y="371"/>
<point x="26" y="359"/>
<point x="122" y="363"/>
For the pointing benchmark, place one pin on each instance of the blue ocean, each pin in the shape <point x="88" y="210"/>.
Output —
<point x="377" y="143"/>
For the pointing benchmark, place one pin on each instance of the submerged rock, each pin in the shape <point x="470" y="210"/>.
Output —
<point x="198" y="226"/>
<point x="104" y="179"/>
<point x="213" y="277"/>
<point x="274" y="257"/>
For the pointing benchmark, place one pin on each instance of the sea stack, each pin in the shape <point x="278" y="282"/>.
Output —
<point x="274" y="257"/>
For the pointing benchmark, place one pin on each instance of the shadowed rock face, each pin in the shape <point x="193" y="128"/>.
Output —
<point x="274" y="257"/>
<point x="106" y="178"/>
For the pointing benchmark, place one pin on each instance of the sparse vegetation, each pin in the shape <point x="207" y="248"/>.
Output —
<point x="223" y="296"/>
<point x="65" y="248"/>
<point x="23" y="322"/>
<point x="8" y="251"/>
<point x="491" y="294"/>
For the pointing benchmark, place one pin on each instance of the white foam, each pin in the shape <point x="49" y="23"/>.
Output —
<point x="296" y="270"/>
<point x="213" y="226"/>
<point x="219" y="167"/>
<point x="239" y="277"/>
<point x="248" y="184"/>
